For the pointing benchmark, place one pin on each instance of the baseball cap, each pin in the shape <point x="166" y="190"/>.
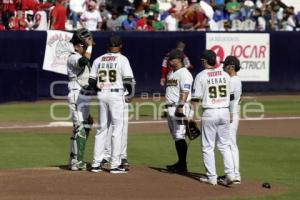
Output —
<point x="232" y="60"/>
<point x="210" y="56"/>
<point x="115" y="41"/>
<point x="175" y="54"/>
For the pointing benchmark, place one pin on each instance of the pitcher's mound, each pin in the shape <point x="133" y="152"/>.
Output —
<point x="139" y="183"/>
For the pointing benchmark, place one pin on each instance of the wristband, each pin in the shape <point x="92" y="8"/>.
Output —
<point x="89" y="50"/>
<point x="191" y="114"/>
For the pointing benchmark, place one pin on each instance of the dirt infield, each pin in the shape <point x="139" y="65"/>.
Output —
<point x="139" y="183"/>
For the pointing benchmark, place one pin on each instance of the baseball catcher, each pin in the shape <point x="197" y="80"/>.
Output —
<point x="78" y="68"/>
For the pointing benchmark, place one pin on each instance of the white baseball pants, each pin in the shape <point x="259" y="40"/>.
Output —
<point x="177" y="128"/>
<point x="215" y="128"/>
<point x="111" y="112"/>
<point x="107" y="151"/>
<point x="233" y="145"/>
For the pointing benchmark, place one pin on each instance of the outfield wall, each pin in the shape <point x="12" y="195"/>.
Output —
<point x="22" y="54"/>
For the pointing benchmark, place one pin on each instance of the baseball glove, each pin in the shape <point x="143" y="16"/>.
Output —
<point x="192" y="131"/>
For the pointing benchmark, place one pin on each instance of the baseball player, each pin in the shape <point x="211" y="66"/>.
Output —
<point x="212" y="87"/>
<point x="232" y="65"/>
<point x="107" y="150"/>
<point x="111" y="75"/>
<point x="166" y="67"/>
<point x="178" y="94"/>
<point x="78" y="68"/>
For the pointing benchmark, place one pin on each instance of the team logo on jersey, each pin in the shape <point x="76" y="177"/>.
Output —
<point x="172" y="82"/>
<point x="187" y="86"/>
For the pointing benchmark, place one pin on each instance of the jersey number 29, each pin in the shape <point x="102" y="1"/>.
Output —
<point x="107" y="76"/>
<point x="214" y="91"/>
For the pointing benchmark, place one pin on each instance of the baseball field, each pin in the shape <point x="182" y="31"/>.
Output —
<point x="34" y="145"/>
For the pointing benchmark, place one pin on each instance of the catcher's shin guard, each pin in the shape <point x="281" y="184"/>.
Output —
<point x="78" y="141"/>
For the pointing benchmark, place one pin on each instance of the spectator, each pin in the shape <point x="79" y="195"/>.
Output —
<point x="8" y="11"/>
<point x="29" y="19"/>
<point x="18" y="23"/>
<point x="113" y="24"/>
<point x="247" y="9"/>
<point x="260" y="21"/>
<point x="76" y="9"/>
<point x="91" y="18"/>
<point x="154" y="6"/>
<point x="233" y="8"/>
<point x="171" y="22"/>
<point x="141" y="22"/>
<point x="105" y="15"/>
<point x="156" y="24"/>
<point x="40" y="18"/>
<point x="289" y="19"/>
<point x="261" y="4"/>
<point x="129" y="24"/>
<point x="140" y="6"/>
<point x="58" y="16"/>
<point x="28" y="4"/>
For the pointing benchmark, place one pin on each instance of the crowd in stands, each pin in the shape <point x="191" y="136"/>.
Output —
<point x="149" y="15"/>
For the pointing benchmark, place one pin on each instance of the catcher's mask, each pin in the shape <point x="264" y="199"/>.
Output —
<point x="80" y="35"/>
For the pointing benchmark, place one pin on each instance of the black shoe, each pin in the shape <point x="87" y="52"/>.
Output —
<point x="118" y="170"/>
<point x="96" y="169"/>
<point x="177" y="168"/>
<point x="125" y="164"/>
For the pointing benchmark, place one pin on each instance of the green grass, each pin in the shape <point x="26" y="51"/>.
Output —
<point x="275" y="160"/>
<point x="40" y="112"/>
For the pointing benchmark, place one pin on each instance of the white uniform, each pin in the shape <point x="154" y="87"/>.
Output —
<point x="234" y="107"/>
<point x="180" y="80"/>
<point x="78" y="103"/>
<point x="107" y="150"/>
<point x="213" y="87"/>
<point x="110" y="69"/>
<point x="91" y="19"/>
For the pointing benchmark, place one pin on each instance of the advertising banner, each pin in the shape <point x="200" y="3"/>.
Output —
<point x="252" y="49"/>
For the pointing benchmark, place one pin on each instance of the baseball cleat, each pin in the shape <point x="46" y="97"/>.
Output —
<point x="225" y="180"/>
<point x="208" y="181"/>
<point x="124" y="163"/>
<point x="96" y="169"/>
<point x="177" y="168"/>
<point x="118" y="170"/>
<point x="104" y="163"/>
<point x="80" y="166"/>
<point x="236" y="182"/>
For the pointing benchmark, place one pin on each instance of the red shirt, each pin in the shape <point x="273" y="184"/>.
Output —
<point x="59" y="12"/>
<point x="9" y="5"/>
<point x="2" y="27"/>
<point x="28" y="4"/>
<point x="17" y="24"/>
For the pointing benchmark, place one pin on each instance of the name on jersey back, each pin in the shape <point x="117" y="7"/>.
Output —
<point x="214" y="78"/>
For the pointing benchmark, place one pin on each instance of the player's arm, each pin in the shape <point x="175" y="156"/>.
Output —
<point x="89" y="42"/>
<point x="164" y="71"/>
<point x="128" y="79"/>
<point x="93" y="76"/>
<point x="197" y="96"/>
<point x="185" y="89"/>
<point x="187" y="63"/>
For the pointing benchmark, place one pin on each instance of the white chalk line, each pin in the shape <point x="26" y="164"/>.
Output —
<point x="69" y="124"/>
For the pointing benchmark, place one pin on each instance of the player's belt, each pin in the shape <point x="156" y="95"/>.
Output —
<point x="111" y="90"/>
<point x="170" y="105"/>
<point x="214" y="108"/>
